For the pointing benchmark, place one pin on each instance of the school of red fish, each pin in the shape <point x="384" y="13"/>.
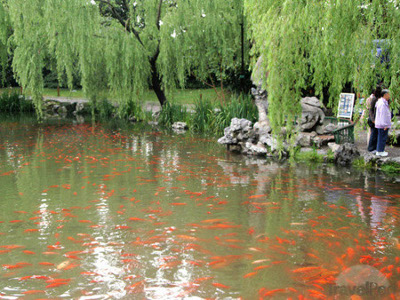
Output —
<point x="96" y="212"/>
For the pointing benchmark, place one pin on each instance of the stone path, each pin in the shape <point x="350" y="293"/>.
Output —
<point x="66" y="99"/>
<point x="148" y="106"/>
<point x="361" y="143"/>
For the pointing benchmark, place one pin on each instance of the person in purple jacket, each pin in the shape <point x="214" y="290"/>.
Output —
<point x="383" y="121"/>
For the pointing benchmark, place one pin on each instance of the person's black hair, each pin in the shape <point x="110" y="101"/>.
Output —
<point x="378" y="91"/>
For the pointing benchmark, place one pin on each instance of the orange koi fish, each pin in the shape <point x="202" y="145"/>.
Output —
<point x="31" y="292"/>
<point x="220" y="285"/>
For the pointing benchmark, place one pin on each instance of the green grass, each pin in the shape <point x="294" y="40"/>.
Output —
<point x="309" y="156"/>
<point x="78" y="94"/>
<point x="391" y="168"/>
<point x="177" y="96"/>
<point x="360" y="164"/>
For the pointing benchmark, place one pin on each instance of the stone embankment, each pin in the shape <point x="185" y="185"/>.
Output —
<point x="242" y="137"/>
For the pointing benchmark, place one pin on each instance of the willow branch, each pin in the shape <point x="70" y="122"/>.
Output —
<point x="118" y="17"/>
<point x="159" y="14"/>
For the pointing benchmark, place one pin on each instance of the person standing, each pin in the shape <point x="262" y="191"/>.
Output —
<point x="383" y="121"/>
<point x="373" y="132"/>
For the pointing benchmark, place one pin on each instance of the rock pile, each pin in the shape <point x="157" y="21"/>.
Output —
<point x="241" y="136"/>
<point x="59" y="109"/>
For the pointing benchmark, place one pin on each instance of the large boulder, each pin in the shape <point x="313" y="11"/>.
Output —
<point x="312" y="113"/>
<point x="346" y="153"/>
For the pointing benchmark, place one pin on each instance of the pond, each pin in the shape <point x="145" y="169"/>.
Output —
<point x="91" y="211"/>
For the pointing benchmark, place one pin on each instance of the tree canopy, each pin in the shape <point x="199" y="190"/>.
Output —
<point x="323" y="44"/>
<point x="122" y="45"/>
<point x="4" y="25"/>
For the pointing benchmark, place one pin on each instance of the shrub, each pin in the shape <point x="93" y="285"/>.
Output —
<point x="241" y="107"/>
<point x="360" y="163"/>
<point x="171" y="113"/>
<point x="15" y="103"/>
<point x="391" y="168"/>
<point x="203" y="119"/>
<point x="102" y="108"/>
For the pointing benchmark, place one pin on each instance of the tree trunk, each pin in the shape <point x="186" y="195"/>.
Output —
<point x="156" y="82"/>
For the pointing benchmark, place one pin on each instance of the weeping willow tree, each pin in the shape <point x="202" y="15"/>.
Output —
<point x="123" y="45"/>
<point x="323" y="44"/>
<point x="4" y="28"/>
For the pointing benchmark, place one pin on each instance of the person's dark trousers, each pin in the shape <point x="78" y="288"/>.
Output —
<point x="373" y="139"/>
<point x="382" y="137"/>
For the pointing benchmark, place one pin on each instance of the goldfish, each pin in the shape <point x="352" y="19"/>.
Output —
<point x="45" y="263"/>
<point x="249" y="274"/>
<point x="31" y="292"/>
<point x="56" y="284"/>
<point x="220" y="285"/>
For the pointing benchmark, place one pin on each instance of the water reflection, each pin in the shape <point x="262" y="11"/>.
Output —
<point x="128" y="214"/>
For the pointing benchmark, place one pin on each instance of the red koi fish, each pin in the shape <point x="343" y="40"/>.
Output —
<point x="45" y="263"/>
<point x="136" y="219"/>
<point x="56" y="284"/>
<point x="220" y="285"/>
<point x="31" y="292"/>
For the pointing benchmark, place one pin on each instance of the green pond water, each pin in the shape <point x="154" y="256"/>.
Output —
<point x="91" y="211"/>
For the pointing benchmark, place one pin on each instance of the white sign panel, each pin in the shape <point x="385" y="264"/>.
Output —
<point x="346" y="105"/>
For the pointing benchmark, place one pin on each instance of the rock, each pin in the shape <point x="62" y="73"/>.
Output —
<point x="346" y="154"/>
<point x="235" y="148"/>
<point x="155" y="114"/>
<point x="329" y="128"/>
<point x="152" y="123"/>
<point x="80" y="107"/>
<point x="395" y="160"/>
<point x="62" y="111"/>
<point x="320" y="129"/>
<point x="312" y="101"/>
<point x="258" y="149"/>
<point x="260" y="74"/>
<point x="55" y="108"/>
<point x="227" y="140"/>
<point x="240" y="130"/>
<point x="245" y="124"/>
<point x="261" y="128"/>
<point x="132" y="119"/>
<point x="179" y="131"/>
<point x="334" y="147"/>
<point x="303" y="139"/>
<point x="370" y="157"/>
<point x="179" y="126"/>
<point x="322" y="140"/>
<point x="265" y="139"/>
<point x="79" y="119"/>
<point x="240" y="124"/>
<point x="312" y="114"/>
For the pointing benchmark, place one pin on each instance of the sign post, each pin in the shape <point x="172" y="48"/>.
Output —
<point x="346" y="105"/>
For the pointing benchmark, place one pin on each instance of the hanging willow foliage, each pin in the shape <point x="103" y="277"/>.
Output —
<point x="123" y="45"/>
<point x="323" y="44"/>
<point x="4" y="25"/>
